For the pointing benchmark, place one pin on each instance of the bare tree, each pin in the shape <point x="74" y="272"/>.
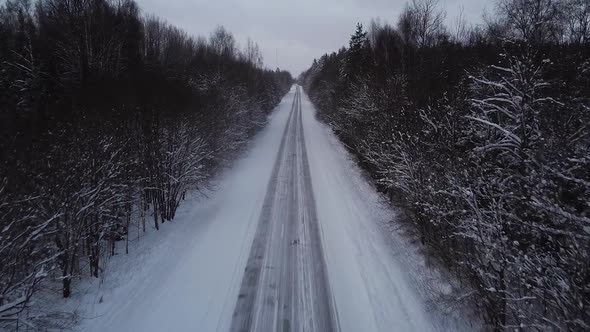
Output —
<point x="422" y="22"/>
<point x="460" y="30"/>
<point x="253" y="54"/>
<point x="534" y="21"/>
<point x="152" y="43"/>
<point x="577" y="20"/>
<point x="222" y="42"/>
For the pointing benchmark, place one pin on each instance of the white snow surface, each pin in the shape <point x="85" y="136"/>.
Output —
<point x="186" y="277"/>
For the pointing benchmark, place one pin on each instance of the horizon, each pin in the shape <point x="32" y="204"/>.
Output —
<point x="288" y="44"/>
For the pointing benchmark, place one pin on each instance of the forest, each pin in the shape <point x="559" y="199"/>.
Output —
<point x="480" y="134"/>
<point x="108" y="119"/>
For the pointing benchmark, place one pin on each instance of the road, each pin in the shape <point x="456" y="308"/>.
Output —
<point x="285" y="285"/>
<point x="294" y="238"/>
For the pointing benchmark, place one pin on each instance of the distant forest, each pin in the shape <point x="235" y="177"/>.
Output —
<point x="481" y="135"/>
<point x="107" y="119"/>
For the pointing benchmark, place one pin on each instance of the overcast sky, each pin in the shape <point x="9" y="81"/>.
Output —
<point x="298" y="31"/>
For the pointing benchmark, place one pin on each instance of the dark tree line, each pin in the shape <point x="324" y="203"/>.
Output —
<point x="482" y="135"/>
<point x="107" y="119"/>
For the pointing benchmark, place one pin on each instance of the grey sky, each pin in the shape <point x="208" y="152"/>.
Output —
<point x="300" y="30"/>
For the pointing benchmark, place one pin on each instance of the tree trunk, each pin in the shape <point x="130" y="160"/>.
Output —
<point x="156" y="215"/>
<point x="66" y="281"/>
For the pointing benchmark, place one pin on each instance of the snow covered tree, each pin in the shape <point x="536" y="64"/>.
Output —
<point x="521" y="230"/>
<point x="491" y="169"/>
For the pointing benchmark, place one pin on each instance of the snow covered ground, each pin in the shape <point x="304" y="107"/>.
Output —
<point x="188" y="276"/>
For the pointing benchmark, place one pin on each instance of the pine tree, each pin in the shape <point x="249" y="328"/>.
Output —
<point x="356" y="54"/>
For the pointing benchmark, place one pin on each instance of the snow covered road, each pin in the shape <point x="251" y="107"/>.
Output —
<point x="285" y="286"/>
<point x="290" y="241"/>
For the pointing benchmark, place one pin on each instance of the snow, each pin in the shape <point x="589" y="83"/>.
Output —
<point x="187" y="276"/>
<point x="370" y="292"/>
<point x="374" y="274"/>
